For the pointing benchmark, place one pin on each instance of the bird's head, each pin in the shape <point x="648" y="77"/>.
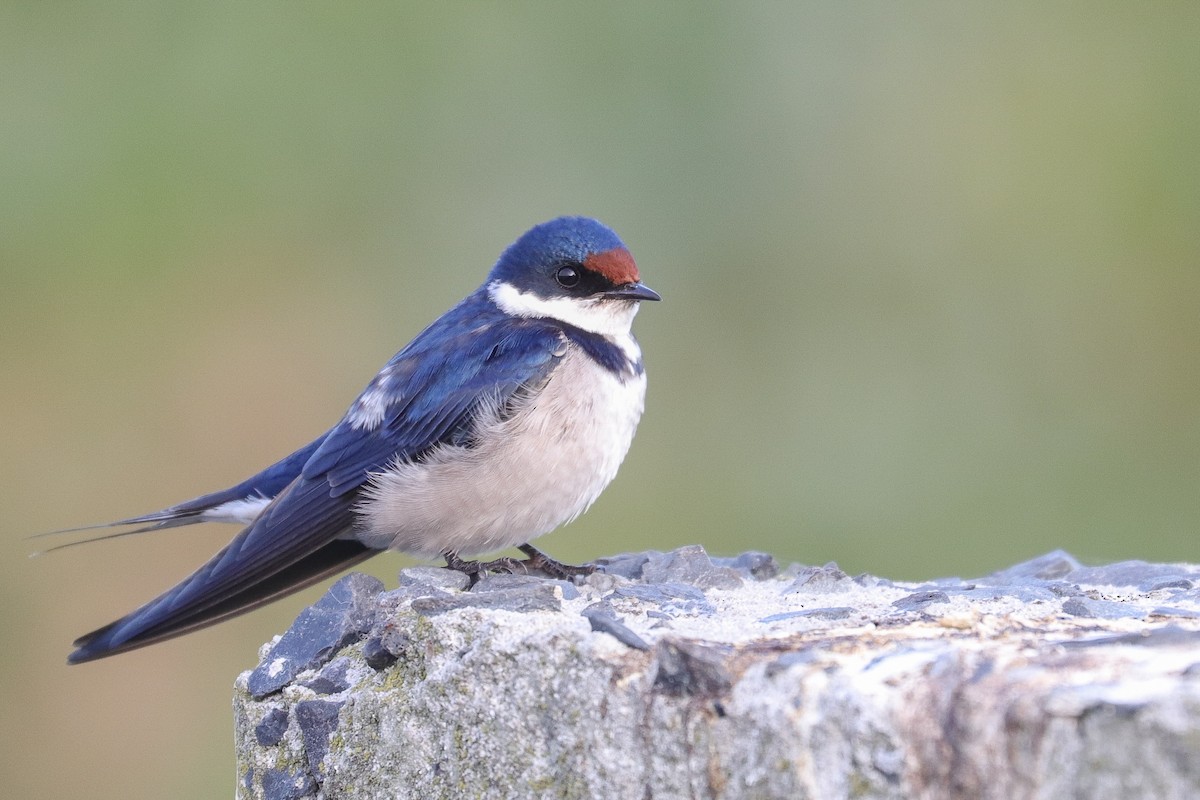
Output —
<point x="573" y="269"/>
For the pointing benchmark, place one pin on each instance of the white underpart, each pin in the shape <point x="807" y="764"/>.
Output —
<point x="242" y="511"/>
<point x="608" y="317"/>
<point x="526" y="475"/>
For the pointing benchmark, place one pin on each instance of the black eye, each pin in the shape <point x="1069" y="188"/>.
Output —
<point x="567" y="277"/>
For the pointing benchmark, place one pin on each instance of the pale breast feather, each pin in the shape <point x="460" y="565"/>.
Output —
<point x="526" y="472"/>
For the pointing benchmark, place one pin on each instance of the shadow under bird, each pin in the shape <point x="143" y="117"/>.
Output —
<point x="499" y="422"/>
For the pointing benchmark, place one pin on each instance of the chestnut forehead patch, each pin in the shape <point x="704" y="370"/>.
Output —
<point x="616" y="264"/>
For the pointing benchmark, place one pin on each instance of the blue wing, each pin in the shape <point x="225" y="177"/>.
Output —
<point x="428" y="394"/>
<point x="431" y="393"/>
<point x="292" y="544"/>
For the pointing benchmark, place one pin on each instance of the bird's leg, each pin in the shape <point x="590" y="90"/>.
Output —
<point x="537" y="560"/>
<point x="475" y="570"/>
<point x="507" y="565"/>
<point x="470" y="568"/>
<point x="540" y="561"/>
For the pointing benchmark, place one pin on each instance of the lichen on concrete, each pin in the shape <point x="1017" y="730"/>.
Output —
<point x="673" y="675"/>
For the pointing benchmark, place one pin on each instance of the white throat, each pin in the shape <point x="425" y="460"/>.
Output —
<point x="607" y="317"/>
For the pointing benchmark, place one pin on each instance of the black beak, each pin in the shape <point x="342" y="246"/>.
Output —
<point x="632" y="291"/>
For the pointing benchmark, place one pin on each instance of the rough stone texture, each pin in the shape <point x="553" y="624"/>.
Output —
<point x="670" y="675"/>
<point x="343" y="615"/>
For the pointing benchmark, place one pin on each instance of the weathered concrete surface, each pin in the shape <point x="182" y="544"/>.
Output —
<point x="675" y="677"/>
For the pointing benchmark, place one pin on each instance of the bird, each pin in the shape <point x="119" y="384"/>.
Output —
<point x="502" y="420"/>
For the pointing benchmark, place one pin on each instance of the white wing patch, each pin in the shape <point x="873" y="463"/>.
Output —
<point x="368" y="410"/>
<point x="242" y="511"/>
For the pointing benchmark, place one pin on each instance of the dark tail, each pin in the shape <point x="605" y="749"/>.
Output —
<point x="161" y="621"/>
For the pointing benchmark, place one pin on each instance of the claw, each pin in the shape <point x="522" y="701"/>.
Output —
<point x="555" y="569"/>
<point x="537" y="562"/>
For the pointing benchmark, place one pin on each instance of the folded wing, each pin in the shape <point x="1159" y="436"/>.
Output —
<point x="420" y="400"/>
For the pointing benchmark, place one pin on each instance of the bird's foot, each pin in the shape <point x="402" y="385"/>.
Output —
<point x="475" y="570"/>
<point x="537" y="561"/>
<point x="555" y="569"/>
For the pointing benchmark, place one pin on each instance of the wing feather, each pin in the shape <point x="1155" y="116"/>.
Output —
<point x="429" y="394"/>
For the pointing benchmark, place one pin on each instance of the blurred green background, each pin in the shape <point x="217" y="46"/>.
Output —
<point x="931" y="277"/>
